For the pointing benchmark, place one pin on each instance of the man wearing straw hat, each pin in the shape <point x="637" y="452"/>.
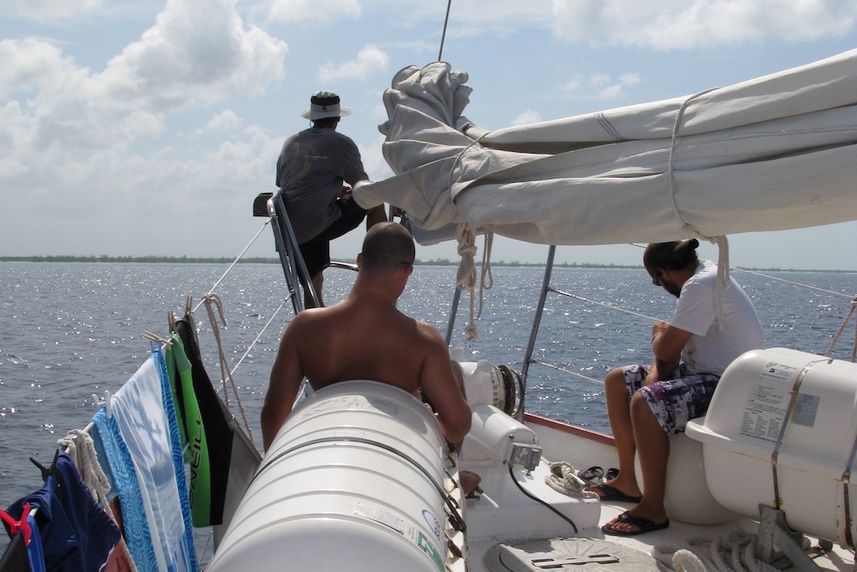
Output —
<point x="313" y="169"/>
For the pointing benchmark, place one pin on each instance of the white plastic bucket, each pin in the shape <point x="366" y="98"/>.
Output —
<point x="353" y="481"/>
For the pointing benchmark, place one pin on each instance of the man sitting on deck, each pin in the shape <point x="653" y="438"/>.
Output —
<point x="647" y="404"/>
<point x="366" y="337"/>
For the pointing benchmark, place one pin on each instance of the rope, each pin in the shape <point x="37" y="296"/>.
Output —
<point x="838" y="333"/>
<point x="486" y="279"/>
<point x="465" y="279"/>
<point x="234" y="262"/>
<point x="211" y="301"/>
<point x="563" y="478"/>
<point x="735" y="553"/>
<point x="720" y="241"/>
<point x="79" y="446"/>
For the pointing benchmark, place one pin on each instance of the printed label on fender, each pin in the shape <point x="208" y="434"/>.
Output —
<point x="380" y="516"/>
<point x="767" y="403"/>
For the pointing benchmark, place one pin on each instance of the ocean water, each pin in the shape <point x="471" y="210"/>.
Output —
<point x="71" y="331"/>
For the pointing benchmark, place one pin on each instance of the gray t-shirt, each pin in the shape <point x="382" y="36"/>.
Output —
<point x="310" y="170"/>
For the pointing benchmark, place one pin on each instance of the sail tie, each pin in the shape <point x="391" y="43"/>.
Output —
<point x="465" y="279"/>
<point x="211" y="302"/>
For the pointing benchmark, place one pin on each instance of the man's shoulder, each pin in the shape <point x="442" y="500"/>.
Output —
<point x="429" y="332"/>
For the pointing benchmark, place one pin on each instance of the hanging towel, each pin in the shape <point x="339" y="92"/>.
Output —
<point x="81" y="447"/>
<point x="218" y="434"/>
<point x="195" y="442"/>
<point x="76" y="534"/>
<point x="145" y="462"/>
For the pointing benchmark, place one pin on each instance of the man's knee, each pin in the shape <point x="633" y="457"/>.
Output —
<point x="615" y="380"/>
<point x="640" y="409"/>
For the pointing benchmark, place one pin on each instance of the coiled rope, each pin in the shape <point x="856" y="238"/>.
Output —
<point x="736" y="553"/>
<point x="563" y="478"/>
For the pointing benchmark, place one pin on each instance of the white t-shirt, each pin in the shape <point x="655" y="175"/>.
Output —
<point x="712" y="347"/>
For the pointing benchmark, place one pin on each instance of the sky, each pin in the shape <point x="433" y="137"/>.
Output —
<point x="148" y="127"/>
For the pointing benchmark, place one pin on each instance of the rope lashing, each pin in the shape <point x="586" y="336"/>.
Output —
<point x="211" y="302"/>
<point x="465" y="279"/>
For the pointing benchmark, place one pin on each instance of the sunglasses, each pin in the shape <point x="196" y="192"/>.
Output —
<point x="657" y="277"/>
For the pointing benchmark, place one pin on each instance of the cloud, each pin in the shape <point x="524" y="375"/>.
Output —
<point x="527" y="117"/>
<point x="223" y="121"/>
<point x="370" y="60"/>
<point x="48" y="9"/>
<point x="30" y="65"/>
<point x="293" y="11"/>
<point x="602" y="85"/>
<point x="178" y="60"/>
<point x="80" y="139"/>
<point x="682" y="24"/>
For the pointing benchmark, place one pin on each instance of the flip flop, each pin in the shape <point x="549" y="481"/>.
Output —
<point x="643" y="525"/>
<point x="592" y="475"/>
<point x="608" y="493"/>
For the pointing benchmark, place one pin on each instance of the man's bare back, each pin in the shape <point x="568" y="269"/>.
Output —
<point x="353" y="341"/>
<point x="366" y="337"/>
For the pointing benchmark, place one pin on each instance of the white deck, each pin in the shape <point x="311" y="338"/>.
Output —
<point x="561" y="443"/>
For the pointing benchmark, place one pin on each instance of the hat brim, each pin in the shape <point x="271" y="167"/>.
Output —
<point x="308" y="114"/>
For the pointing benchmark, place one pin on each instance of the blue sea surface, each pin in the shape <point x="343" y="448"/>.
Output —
<point x="72" y="331"/>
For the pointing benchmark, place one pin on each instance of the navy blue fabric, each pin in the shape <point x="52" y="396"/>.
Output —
<point x="75" y="531"/>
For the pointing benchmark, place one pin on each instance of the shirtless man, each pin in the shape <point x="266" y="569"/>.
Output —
<point x="366" y="337"/>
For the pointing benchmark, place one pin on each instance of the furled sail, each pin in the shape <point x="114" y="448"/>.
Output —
<point x="773" y="153"/>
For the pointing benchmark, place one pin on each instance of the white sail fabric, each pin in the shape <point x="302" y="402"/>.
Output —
<point x="773" y="153"/>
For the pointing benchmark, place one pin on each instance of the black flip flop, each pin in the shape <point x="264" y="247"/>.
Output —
<point x="612" y="494"/>
<point x="592" y="475"/>
<point x="643" y="525"/>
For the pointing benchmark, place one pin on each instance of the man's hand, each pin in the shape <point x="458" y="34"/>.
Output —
<point x="667" y="345"/>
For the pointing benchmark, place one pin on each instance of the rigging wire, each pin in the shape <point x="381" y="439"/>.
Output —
<point x="259" y="335"/>
<point x="234" y="262"/>
<point x="611" y="306"/>
<point x="793" y="283"/>
<point x="568" y="371"/>
<point x="443" y="35"/>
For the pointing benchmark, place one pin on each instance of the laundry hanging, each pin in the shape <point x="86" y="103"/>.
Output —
<point x="141" y="441"/>
<point x="75" y="532"/>
<point x="231" y="455"/>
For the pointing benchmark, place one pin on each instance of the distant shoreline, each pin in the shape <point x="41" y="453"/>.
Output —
<point x="417" y="262"/>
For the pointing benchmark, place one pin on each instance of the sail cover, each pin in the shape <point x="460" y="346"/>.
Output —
<point x="774" y="153"/>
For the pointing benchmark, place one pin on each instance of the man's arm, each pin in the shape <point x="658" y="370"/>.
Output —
<point x="442" y="389"/>
<point x="667" y="343"/>
<point x="286" y="376"/>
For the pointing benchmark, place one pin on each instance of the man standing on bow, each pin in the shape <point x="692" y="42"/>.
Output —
<point x="312" y="170"/>
<point x="646" y="404"/>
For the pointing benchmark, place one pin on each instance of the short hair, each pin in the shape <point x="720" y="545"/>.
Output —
<point x="387" y="247"/>
<point x="671" y="255"/>
<point x="329" y="122"/>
